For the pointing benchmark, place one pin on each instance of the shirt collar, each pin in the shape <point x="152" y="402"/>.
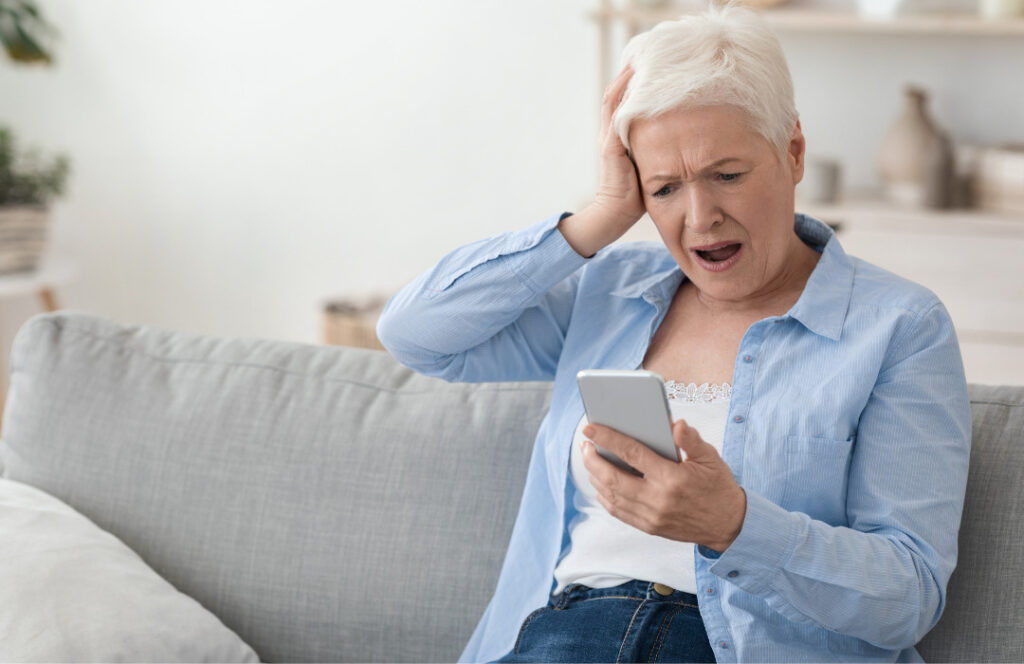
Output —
<point x="822" y="306"/>
<point x="826" y="298"/>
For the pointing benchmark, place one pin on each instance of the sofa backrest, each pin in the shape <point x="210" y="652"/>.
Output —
<point x="329" y="504"/>
<point x="984" y="616"/>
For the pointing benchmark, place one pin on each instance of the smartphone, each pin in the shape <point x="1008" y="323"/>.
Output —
<point x="633" y="403"/>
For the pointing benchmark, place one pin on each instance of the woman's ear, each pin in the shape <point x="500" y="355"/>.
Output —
<point x="796" y="152"/>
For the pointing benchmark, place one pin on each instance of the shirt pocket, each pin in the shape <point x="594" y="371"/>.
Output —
<point x="816" y="477"/>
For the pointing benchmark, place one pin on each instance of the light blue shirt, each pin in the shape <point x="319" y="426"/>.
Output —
<point x="849" y="430"/>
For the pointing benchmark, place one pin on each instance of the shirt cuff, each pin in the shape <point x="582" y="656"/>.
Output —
<point x="762" y="549"/>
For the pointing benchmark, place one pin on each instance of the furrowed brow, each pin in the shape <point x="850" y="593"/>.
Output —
<point x="668" y="177"/>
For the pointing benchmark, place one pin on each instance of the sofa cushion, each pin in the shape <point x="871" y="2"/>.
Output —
<point x="72" y="592"/>
<point x="985" y="601"/>
<point x="326" y="503"/>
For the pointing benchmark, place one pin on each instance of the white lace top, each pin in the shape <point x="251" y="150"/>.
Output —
<point x="606" y="552"/>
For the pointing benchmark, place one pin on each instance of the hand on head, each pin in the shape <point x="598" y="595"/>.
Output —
<point x="618" y="203"/>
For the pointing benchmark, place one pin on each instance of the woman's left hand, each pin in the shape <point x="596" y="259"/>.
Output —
<point x="694" y="500"/>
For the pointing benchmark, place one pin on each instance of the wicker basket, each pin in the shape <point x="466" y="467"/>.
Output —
<point x="353" y="322"/>
<point x="24" y="230"/>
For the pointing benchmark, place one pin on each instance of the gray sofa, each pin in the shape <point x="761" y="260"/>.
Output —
<point x="328" y="504"/>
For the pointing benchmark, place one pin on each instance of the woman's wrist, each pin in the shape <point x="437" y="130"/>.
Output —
<point x="732" y="525"/>
<point x="591" y="229"/>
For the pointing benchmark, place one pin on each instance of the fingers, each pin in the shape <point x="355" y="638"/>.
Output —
<point x="632" y="451"/>
<point x="617" y="489"/>
<point x="613" y="97"/>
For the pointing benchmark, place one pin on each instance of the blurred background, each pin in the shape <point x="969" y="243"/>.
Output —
<point x="251" y="167"/>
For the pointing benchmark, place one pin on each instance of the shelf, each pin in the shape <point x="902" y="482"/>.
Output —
<point x="824" y="21"/>
<point x="49" y="275"/>
<point x="869" y="213"/>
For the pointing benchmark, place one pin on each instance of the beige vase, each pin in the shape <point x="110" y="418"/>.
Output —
<point x="23" y="234"/>
<point x="916" y="159"/>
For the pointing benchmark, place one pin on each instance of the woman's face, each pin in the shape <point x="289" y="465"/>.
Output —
<point x="722" y="200"/>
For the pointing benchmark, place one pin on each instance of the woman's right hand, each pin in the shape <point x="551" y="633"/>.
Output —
<point x="618" y="203"/>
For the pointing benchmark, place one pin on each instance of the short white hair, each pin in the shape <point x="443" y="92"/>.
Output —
<point x="726" y="55"/>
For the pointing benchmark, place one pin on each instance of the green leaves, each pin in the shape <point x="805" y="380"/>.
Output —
<point x="28" y="178"/>
<point x="24" y="31"/>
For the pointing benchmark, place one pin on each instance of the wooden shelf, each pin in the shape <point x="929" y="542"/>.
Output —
<point x="824" y="21"/>
<point x="867" y="212"/>
<point x="50" y="274"/>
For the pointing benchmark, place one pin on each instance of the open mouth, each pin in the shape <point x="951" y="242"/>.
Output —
<point x="719" y="252"/>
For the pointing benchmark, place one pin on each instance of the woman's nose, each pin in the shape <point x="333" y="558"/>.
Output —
<point x="702" y="211"/>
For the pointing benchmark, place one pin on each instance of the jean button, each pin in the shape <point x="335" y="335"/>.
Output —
<point x="663" y="590"/>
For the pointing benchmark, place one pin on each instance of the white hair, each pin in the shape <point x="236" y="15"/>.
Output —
<point x="726" y="55"/>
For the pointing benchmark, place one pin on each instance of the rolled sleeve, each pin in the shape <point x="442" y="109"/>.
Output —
<point x="493" y="310"/>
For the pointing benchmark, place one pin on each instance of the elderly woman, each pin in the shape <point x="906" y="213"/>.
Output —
<point x="820" y="401"/>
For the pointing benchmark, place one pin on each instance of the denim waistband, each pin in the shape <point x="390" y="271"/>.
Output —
<point x="640" y="590"/>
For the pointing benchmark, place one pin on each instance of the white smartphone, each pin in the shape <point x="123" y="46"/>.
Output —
<point x="633" y="403"/>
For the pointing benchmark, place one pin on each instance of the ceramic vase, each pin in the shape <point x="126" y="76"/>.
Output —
<point x="916" y="159"/>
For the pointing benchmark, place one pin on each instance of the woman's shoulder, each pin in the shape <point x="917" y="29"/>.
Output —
<point x="630" y="266"/>
<point x="878" y="288"/>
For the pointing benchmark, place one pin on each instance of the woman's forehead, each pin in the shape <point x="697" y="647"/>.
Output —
<point x="705" y="134"/>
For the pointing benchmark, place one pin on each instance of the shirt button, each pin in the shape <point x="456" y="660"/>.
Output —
<point x="733" y="574"/>
<point x="748" y="358"/>
<point x="723" y="645"/>
<point x="711" y="591"/>
<point x="738" y="419"/>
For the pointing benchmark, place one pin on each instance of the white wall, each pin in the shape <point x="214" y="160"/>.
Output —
<point x="236" y="162"/>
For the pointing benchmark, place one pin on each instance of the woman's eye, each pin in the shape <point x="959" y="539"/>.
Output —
<point x="663" y="192"/>
<point x="729" y="177"/>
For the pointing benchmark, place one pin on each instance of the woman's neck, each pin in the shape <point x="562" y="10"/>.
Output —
<point x="776" y="297"/>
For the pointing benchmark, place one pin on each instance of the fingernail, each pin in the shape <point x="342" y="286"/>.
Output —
<point x="588" y="431"/>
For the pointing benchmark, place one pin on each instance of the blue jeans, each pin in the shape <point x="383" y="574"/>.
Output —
<point x="627" y="623"/>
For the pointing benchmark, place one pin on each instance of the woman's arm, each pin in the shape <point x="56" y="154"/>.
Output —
<point x="497" y="309"/>
<point x="882" y="579"/>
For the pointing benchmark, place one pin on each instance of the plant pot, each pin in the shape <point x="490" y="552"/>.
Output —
<point x="24" y="230"/>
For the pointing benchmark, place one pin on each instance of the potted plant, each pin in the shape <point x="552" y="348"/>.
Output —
<point x="28" y="182"/>
<point x="24" y="32"/>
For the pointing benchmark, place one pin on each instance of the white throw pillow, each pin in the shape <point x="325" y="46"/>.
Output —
<point x="72" y="592"/>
